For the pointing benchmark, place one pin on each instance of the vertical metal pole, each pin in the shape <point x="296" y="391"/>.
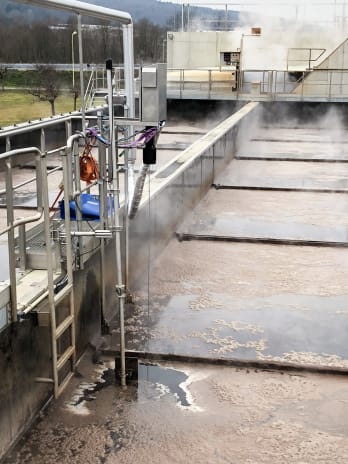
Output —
<point x="49" y="262"/>
<point x="111" y="113"/>
<point x="182" y="17"/>
<point x="68" y="129"/>
<point x="344" y="16"/>
<point x="8" y="143"/>
<point x="42" y="140"/>
<point x="330" y="85"/>
<point x="302" y="84"/>
<point x="164" y="42"/>
<point x="78" y="202"/>
<point x="22" y="247"/>
<point x="120" y="290"/>
<point x="103" y="211"/>
<point x="128" y="187"/>
<point x="67" y="156"/>
<point x="129" y="158"/>
<point x="128" y="53"/>
<point x="73" y="58"/>
<point x="82" y="84"/>
<point x="11" y="240"/>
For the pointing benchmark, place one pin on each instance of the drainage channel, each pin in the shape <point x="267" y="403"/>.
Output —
<point x="291" y="158"/>
<point x="265" y="240"/>
<point x="158" y="374"/>
<point x="277" y="189"/>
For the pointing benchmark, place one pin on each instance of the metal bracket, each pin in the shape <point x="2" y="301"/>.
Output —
<point x="116" y="229"/>
<point x="120" y="291"/>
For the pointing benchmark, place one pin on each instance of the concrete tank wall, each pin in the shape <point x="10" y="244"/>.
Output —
<point x="25" y="354"/>
<point x="174" y="194"/>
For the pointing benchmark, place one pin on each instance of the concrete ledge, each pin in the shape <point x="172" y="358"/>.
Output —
<point x="244" y="364"/>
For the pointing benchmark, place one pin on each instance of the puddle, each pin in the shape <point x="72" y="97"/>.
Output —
<point x="86" y="391"/>
<point x="165" y="380"/>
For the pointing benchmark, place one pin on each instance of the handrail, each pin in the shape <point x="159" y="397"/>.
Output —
<point x="40" y="124"/>
<point x="19" y="151"/>
<point x="262" y="85"/>
<point x="90" y="87"/>
<point x="7" y="157"/>
<point x="309" y="59"/>
<point x="10" y="188"/>
<point x="29" y="181"/>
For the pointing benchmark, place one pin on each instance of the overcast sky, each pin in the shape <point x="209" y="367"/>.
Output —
<point x="302" y="10"/>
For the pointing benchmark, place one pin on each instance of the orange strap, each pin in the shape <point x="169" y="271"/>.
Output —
<point x="89" y="170"/>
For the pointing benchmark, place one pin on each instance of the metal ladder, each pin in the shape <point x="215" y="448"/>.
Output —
<point x="62" y="331"/>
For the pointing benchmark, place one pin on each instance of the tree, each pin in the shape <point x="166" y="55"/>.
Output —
<point x="75" y="90"/>
<point x="148" y="39"/>
<point x="46" y="85"/>
<point x="3" y="75"/>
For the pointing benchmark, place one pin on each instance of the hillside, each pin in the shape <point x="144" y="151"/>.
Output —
<point x="157" y="12"/>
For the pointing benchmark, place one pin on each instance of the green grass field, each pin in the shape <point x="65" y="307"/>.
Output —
<point x="20" y="106"/>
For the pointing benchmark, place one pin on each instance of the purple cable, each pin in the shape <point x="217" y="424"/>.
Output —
<point x="92" y="132"/>
<point x="142" y="140"/>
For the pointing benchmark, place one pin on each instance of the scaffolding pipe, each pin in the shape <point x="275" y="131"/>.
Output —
<point x="103" y="212"/>
<point x="49" y="262"/>
<point x="130" y="155"/>
<point x="120" y="288"/>
<point x="128" y="53"/>
<point x="82" y="84"/>
<point x="75" y="6"/>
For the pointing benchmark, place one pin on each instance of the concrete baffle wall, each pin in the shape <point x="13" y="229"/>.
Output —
<point x="179" y="186"/>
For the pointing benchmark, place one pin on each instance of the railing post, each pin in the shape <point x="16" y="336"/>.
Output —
<point x="330" y="85"/>
<point x="210" y="82"/>
<point x="82" y="84"/>
<point x="11" y="240"/>
<point x="22" y="247"/>
<point x="302" y="85"/>
<point x="128" y="54"/>
<point x="183" y="82"/>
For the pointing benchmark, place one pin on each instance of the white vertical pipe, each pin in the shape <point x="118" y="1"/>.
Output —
<point x="111" y="108"/>
<point x="82" y="84"/>
<point x="129" y="158"/>
<point x="128" y="56"/>
<point x="120" y="289"/>
<point x="182" y="17"/>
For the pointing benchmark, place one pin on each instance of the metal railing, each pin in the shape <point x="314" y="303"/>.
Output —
<point x="297" y="57"/>
<point x="97" y="84"/>
<point x="40" y="179"/>
<point x="260" y="85"/>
